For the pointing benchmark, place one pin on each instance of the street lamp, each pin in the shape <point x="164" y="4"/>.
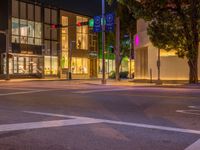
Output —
<point x="103" y="43"/>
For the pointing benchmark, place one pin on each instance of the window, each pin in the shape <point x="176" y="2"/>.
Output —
<point x="26" y="32"/>
<point x="23" y="10"/>
<point x="79" y="65"/>
<point x="51" y="65"/>
<point x="92" y="41"/>
<point x="54" y="48"/>
<point x="38" y="33"/>
<point x="47" y="31"/>
<point x="47" y="18"/>
<point x="31" y="27"/>
<point x="65" y="43"/>
<point x="82" y="34"/>
<point x="23" y="31"/>
<point x="54" y="17"/>
<point x="37" y="14"/>
<point x="15" y="26"/>
<point x="47" y="47"/>
<point x="30" y="12"/>
<point x="54" y="34"/>
<point x="15" y="8"/>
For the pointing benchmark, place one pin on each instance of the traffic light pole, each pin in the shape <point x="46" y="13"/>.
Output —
<point x="103" y="44"/>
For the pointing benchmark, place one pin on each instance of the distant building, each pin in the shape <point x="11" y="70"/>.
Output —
<point x="146" y="56"/>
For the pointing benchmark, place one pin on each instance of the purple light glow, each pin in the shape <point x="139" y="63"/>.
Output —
<point x="137" y="40"/>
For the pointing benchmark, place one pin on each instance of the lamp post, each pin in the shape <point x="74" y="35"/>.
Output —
<point x="158" y="66"/>
<point x="103" y="43"/>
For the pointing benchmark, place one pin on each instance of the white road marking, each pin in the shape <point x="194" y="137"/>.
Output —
<point x="103" y="90"/>
<point x="194" y="146"/>
<point x="46" y="124"/>
<point x="193" y="110"/>
<point x="172" y="129"/>
<point x="194" y="107"/>
<point x="16" y="88"/>
<point x="189" y="112"/>
<point x="24" y="92"/>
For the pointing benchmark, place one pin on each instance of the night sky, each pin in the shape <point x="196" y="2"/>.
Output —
<point x="86" y="7"/>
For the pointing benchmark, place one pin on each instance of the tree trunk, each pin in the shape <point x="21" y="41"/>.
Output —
<point x="193" y="52"/>
<point x="117" y="76"/>
<point x="117" y="51"/>
<point x="193" y="70"/>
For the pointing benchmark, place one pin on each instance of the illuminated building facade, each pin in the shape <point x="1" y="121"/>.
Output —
<point x="146" y="56"/>
<point x="37" y="50"/>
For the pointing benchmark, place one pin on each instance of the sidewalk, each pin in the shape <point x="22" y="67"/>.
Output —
<point x="126" y="82"/>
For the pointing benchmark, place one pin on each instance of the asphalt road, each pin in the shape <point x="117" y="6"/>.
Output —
<point x="62" y="115"/>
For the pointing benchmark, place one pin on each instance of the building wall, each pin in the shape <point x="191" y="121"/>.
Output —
<point x="172" y="67"/>
<point x="79" y="53"/>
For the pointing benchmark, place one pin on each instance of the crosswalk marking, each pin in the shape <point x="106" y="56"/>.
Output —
<point x="156" y="127"/>
<point x="194" y="146"/>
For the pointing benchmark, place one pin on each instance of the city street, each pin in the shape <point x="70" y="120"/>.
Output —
<point x="67" y="115"/>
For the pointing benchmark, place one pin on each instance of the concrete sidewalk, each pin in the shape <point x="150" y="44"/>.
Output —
<point x="126" y="82"/>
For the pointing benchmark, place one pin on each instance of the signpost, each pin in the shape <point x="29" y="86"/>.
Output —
<point x="110" y="22"/>
<point x="104" y="23"/>
<point x="97" y="24"/>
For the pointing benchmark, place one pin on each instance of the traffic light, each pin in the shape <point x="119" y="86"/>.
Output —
<point x="56" y="26"/>
<point x="79" y="24"/>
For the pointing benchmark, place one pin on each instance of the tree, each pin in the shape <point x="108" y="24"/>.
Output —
<point x="173" y="25"/>
<point x="128" y="28"/>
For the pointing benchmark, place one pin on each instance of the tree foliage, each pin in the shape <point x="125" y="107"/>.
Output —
<point x="173" y="25"/>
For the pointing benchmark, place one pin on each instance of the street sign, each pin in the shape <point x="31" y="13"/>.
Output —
<point x="110" y="22"/>
<point x="97" y="24"/>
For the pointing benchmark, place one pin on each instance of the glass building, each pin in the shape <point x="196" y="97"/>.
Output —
<point x="37" y="50"/>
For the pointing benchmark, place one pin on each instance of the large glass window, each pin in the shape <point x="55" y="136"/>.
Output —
<point x="31" y="29"/>
<point x="15" y="8"/>
<point x="51" y="65"/>
<point x="23" y="12"/>
<point x="79" y="65"/>
<point x="30" y="12"/>
<point x="26" y="23"/>
<point x="26" y="32"/>
<point x="15" y="26"/>
<point x="37" y="13"/>
<point x="23" y="31"/>
<point x="47" y="14"/>
<point x="65" y="43"/>
<point x="54" y="48"/>
<point x="54" y="17"/>
<point x="82" y="34"/>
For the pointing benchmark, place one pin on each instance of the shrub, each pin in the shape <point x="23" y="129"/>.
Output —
<point x="123" y="75"/>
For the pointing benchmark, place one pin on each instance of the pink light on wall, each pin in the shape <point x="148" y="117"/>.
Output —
<point x="137" y="40"/>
